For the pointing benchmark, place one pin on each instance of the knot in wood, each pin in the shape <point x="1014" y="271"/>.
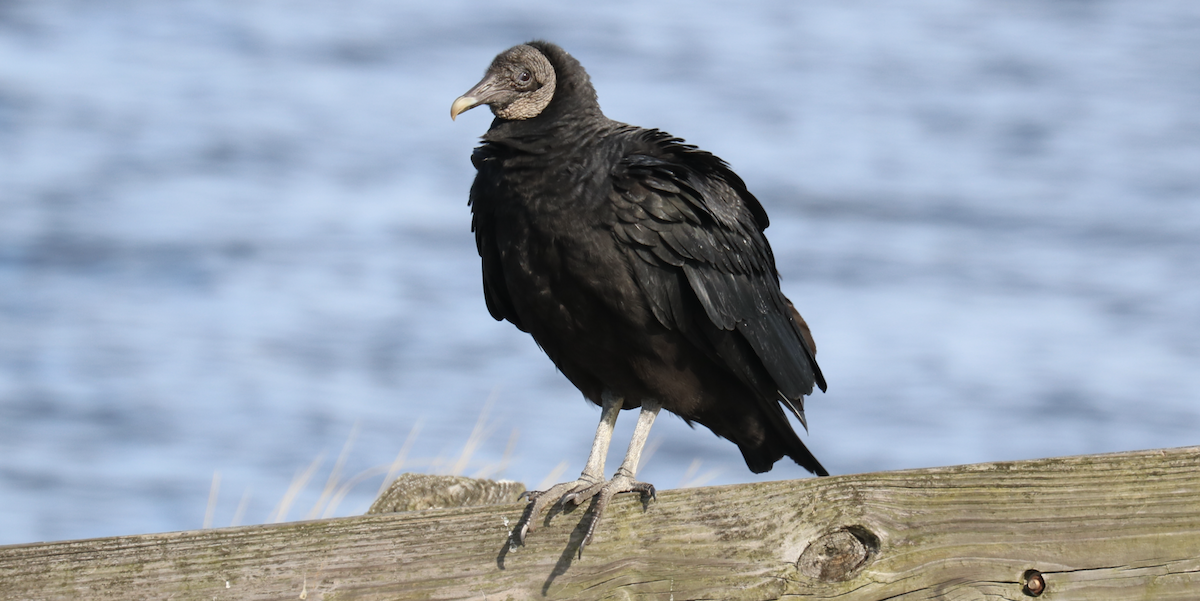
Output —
<point x="836" y="555"/>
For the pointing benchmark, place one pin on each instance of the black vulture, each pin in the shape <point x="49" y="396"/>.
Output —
<point x="638" y="263"/>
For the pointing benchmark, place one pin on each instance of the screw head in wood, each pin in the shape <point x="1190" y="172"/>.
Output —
<point x="1035" y="583"/>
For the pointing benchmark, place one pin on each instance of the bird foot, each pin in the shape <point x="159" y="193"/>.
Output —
<point x="576" y="493"/>
<point x="604" y="493"/>
<point x="539" y="500"/>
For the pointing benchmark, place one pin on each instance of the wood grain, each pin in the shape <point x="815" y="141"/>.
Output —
<point x="1103" y="527"/>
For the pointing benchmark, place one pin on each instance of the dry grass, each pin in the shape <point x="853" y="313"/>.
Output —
<point x="337" y="487"/>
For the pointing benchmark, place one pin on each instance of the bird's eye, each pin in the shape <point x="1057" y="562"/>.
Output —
<point x="524" y="77"/>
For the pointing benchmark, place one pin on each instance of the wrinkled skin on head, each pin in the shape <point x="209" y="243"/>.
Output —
<point x="518" y="85"/>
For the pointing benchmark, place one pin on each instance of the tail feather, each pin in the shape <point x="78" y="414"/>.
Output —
<point x="777" y="440"/>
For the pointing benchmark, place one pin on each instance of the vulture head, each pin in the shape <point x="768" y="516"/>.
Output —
<point x="518" y="85"/>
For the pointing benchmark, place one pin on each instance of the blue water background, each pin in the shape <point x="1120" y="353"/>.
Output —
<point x="234" y="239"/>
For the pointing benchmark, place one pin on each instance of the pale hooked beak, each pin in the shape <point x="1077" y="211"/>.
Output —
<point x="462" y="103"/>
<point x="482" y="93"/>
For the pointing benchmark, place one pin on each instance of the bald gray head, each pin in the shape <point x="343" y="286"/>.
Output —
<point x="518" y="85"/>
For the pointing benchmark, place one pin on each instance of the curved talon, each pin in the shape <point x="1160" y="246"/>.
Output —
<point x="645" y="489"/>
<point x="538" y="501"/>
<point x="619" y="484"/>
<point x="575" y="494"/>
<point x="579" y="495"/>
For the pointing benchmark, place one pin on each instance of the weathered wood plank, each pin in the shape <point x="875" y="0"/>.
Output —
<point x="1105" y="527"/>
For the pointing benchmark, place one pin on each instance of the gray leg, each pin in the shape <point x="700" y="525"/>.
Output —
<point x="611" y="408"/>
<point x="592" y="476"/>
<point x="623" y="480"/>
<point x="641" y="432"/>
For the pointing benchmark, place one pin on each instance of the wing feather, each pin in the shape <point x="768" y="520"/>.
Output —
<point x="691" y="228"/>
<point x="495" y="289"/>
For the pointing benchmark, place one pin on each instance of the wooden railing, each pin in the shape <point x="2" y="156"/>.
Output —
<point x="1101" y="527"/>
